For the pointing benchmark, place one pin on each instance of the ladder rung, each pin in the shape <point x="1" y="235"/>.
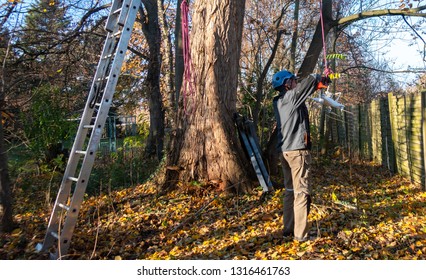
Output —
<point x="108" y="56"/>
<point x="80" y="152"/>
<point x="88" y="126"/>
<point x="54" y="234"/>
<point x="73" y="179"/>
<point x="102" y="79"/>
<point x="117" y="34"/>
<point x="63" y="206"/>
<point x="116" y="11"/>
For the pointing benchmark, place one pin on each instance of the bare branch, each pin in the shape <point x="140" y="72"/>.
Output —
<point x="384" y="71"/>
<point x="415" y="12"/>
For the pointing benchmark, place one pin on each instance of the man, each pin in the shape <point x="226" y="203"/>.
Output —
<point x="294" y="145"/>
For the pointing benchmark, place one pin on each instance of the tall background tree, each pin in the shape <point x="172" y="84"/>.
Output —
<point x="151" y="29"/>
<point x="6" y="203"/>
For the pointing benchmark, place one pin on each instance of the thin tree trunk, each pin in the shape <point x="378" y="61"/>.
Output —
<point x="5" y="190"/>
<point x="206" y="147"/>
<point x="168" y="53"/>
<point x="6" y="205"/>
<point x="295" y="36"/>
<point x="6" y="211"/>
<point x="151" y="29"/>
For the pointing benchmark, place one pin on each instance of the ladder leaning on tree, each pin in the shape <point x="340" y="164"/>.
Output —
<point x="73" y="186"/>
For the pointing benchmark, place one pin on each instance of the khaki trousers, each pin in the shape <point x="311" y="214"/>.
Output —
<point x="297" y="197"/>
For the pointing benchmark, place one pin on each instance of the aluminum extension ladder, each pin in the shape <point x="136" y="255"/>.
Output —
<point x="76" y="176"/>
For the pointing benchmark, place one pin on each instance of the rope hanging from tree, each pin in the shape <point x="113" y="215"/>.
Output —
<point x="327" y="71"/>
<point x="188" y="79"/>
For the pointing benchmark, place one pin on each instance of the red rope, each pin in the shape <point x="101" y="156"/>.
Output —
<point x="188" y="85"/>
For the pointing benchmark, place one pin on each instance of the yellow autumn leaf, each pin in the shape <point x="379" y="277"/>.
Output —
<point x="334" y="196"/>
<point x="16" y="232"/>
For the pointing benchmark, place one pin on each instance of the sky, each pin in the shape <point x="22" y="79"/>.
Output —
<point x="403" y="51"/>
<point x="406" y="54"/>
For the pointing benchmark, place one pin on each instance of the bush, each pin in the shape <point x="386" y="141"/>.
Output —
<point x="45" y="124"/>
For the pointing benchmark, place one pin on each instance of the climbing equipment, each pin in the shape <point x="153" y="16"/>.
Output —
<point x="188" y="78"/>
<point x="327" y="71"/>
<point x="76" y="176"/>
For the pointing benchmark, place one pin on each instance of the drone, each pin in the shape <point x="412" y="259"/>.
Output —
<point x="325" y="99"/>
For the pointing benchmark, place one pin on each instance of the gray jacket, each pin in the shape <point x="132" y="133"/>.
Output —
<point x="292" y="116"/>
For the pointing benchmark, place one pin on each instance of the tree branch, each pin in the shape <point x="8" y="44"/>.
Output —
<point x="345" y="21"/>
<point x="384" y="71"/>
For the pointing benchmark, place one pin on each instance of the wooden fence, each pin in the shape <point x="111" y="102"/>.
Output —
<point x="390" y="131"/>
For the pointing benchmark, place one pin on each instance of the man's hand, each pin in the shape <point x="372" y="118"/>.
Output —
<point x="323" y="82"/>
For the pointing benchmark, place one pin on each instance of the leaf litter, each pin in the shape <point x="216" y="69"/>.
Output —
<point x="359" y="211"/>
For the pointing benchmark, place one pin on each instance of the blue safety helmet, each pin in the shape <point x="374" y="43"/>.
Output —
<point x="281" y="77"/>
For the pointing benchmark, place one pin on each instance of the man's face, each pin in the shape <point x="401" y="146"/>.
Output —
<point x="290" y="84"/>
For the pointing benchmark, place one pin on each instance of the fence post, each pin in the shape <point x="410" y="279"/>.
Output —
<point x="393" y="128"/>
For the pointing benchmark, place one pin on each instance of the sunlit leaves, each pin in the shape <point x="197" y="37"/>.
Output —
<point x="388" y="223"/>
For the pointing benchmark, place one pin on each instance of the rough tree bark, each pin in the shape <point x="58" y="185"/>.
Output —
<point x="206" y="147"/>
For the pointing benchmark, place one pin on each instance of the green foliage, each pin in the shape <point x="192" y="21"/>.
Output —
<point x="143" y="128"/>
<point x="128" y="166"/>
<point x="45" y="125"/>
<point x="136" y="141"/>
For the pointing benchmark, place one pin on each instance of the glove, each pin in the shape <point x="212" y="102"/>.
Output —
<point x="323" y="82"/>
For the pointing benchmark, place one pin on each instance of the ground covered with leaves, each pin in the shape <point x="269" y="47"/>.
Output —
<point x="360" y="211"/>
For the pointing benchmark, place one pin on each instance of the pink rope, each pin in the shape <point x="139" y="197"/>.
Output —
<point x="327" y="71"/>
<point x="188" y="85"/>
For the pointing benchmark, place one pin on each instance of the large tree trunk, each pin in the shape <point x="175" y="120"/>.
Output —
<point x="206" y="146"/>
<point x="152" y="32"/>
